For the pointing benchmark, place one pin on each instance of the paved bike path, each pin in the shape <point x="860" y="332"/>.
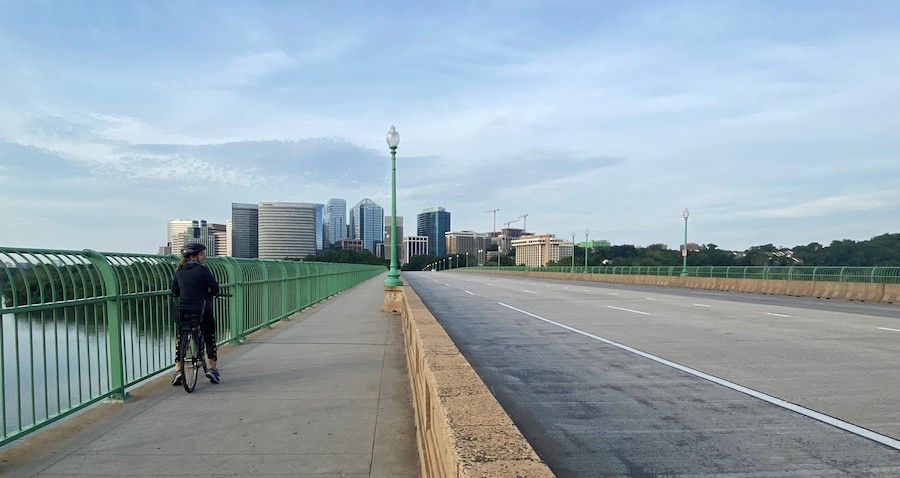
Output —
<point x="323" y="394"/>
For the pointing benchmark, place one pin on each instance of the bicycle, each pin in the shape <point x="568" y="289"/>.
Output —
<point x="191" y="347"/>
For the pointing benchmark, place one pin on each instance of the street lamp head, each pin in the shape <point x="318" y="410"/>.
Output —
<point x="393" y="138"/>
<point x="587" y="232"/>
<point x="686" y="213"/>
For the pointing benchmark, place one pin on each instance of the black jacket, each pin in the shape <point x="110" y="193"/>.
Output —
<point x="195" y="285"/>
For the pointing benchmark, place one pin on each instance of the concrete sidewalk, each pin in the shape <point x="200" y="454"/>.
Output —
<point x="323" y="394"/>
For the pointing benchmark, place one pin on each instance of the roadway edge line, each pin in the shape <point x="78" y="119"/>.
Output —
<point x="827" y="419"/>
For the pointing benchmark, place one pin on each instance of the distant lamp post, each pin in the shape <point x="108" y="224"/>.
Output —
<point x="467" y="259"/>
<point x="393" y="277"/>
<point x="587" y="232"/>
<point x="480" y="261"/>
<point x="573" y="251"/>
<point x="684" y="252"/>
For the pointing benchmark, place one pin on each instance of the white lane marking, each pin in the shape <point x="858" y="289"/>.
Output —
<point x="846" y="426"/>
<point x="777" y="315"/>
<point x="702" y="305"/>
<point x="529" y="291"/>
<point x="613" y="293"/>
<point x="467" y="292"/>
<point x="488" y="283"/>
<point x="649" y="298"/>
<point x="629" y="310"/>
<point x="446" y="284"/>
<point x="564" y="288"/>
<point x="890" y="329"/>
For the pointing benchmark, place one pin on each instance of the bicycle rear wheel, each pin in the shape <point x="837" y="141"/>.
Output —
<point x="190" y="360"/>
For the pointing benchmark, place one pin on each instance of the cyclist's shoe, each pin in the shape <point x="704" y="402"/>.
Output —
<point x="213" y="375"/>
<point x="177" y="379"/>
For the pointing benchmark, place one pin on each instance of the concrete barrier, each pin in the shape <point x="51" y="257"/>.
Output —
<point x="728" y="284"/>
<point x="864" y="292"/>
<point x="800" y="288"/>
<point x="891" y="294"/>
<point x="462" y="430"/>
<point x="830" y="290"/>
<point x="773" y="287"/>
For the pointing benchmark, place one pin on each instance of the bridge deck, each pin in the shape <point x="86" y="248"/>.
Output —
<point x="324" y="394"/>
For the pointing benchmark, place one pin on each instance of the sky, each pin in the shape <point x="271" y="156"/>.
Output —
<point x="772" y="122"/>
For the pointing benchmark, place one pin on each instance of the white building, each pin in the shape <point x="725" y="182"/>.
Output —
<point x="176" y="227"/>
<point x="537" y="251"/>
<point x="413" y="246"/>
<point x="287" y="229"/>
<point x="466" y="242"/>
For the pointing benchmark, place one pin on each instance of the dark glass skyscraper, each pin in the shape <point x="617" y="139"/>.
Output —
<point x="433" y="223"/>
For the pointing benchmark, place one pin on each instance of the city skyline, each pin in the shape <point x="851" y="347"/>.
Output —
<point x="772" y="122"/>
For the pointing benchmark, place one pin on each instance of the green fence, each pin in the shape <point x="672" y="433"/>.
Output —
<point x="880" y="275"/>
<point x="81" y="326"/>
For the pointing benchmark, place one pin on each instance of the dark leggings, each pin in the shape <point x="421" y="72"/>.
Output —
<point x="208" y="327"/>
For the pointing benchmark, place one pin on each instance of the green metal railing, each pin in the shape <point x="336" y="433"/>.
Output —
<point x="880" y="275"/>
<point x="82" y="326"/>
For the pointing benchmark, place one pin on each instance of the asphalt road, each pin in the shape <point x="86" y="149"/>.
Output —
<point x="611" y="380"/>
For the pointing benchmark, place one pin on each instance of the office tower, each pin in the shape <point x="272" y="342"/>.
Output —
<point x="367" y="223"/>
<point x="466" y="241"/>
<point x="220" y="233"/>
<point x="414" y="246"/>
<point x="335" y="219"/>
<point x="387" y="238"/>
<point x="202" y="233"/>
<point x="434" y="223"/>
<point x="287" y="230"/>
<point x="175" y="228"/>
<point x="320" y="227"/>
<point x="537" y="251"/>
<point x="244" y="230"/>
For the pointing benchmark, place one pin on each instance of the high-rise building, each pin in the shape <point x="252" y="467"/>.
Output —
<point x="201" y="232"/>
<point x="334" y="218"/>
<point x="537" y="251"/>
<point x="320" y="227"/>
<point x="367" y="223"/>
<point x="286" y="229"/>
<point x="220" y="233"/>
<point x="467" y="241"/>
<point x="434" y="223"/>
<point x="387" y="237"/>
<point x="176" y="227"/>
<point x="244" y="231"/>
<point x="414" y="246"/>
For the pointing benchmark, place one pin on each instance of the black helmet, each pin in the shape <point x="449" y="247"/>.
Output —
<point x="192" y="249"/>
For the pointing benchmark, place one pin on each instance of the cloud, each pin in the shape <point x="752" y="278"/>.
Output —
<point x="834" y="205"/>
<point x="248" y="69"/>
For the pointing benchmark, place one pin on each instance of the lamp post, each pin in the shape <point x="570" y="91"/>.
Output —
<point x="573" y="251"/>
<point x="467" y="259"/>
<point x="587" y="232"/>
<point x="480" y="262"/>
<point x="393" y="277"/>
<point x="684" y="252"/>
<point x="457" y="261"/>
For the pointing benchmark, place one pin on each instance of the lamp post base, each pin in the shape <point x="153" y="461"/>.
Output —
<point x="393" y="299"/>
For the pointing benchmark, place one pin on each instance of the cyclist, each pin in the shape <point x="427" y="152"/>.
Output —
<point x="195" y="285"/>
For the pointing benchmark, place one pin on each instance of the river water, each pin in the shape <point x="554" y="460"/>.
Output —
<point x="52" y="361"/>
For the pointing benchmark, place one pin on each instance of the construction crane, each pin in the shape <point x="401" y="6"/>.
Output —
<point x="524" y="218"/>
<point x="495" y="218"/>
<point x="510" y="222"/>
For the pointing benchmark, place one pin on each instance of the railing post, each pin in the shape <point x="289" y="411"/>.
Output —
<point x="115" y="343"/>
<point x="235" y="312"/>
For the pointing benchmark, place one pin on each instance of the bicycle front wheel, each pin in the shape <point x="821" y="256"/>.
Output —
<point x="190" y="361"/>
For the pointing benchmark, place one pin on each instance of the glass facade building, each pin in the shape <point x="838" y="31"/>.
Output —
<point x="434" y="223"/>
<point x="367" y="223"/>
<point x="334" y="218"/>
<point x="244" y="231"/>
